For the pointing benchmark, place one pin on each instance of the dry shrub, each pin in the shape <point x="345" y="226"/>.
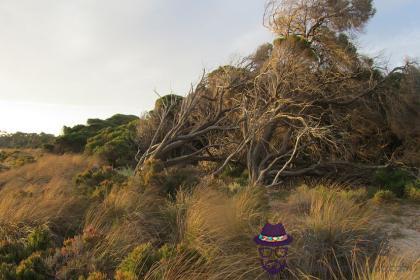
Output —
<point x="43" y="192"/>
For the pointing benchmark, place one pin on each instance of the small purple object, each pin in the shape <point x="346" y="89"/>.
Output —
<point x="272" y="247"/>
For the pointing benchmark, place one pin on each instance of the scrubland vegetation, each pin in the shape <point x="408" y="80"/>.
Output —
<point x="306" y="132"/>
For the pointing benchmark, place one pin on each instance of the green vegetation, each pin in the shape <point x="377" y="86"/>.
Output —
<point x="98" y="181"/>
<point x="74" y="139"/>
<point x="384" y="196"/>
<point x="412" y="191"/>
<point x="115" y="145"/>
<point x="394" y="180"/>
<point x="137" y="263"/>
<point x="33" y="267"/>
<point x="15" y="158"/>
<point x="25" y="140"/>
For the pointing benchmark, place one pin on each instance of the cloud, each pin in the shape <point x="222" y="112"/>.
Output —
<point x="396" y="48"/>
<point x="90" y="53"/>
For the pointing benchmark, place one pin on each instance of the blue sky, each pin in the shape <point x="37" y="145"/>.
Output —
<point x="62" y="62"/>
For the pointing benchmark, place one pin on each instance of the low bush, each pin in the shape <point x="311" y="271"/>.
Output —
<point x="33" y="267"/>
<point x="384" y="196"/>
<point x="12" y="252"/>
<point x="168" y="180"/>
<point x="115" y="145"/>
<point x="412" y="191"/>
<point x="39" y="239"/>
<point x="137" y="263"/>
<point x="98" y="181"/>
<point x="393" y="180"/>
<point x="7" y="271"/>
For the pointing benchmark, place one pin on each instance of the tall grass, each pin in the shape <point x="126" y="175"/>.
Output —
<point x="43" y="192"/>
<point x="217" y="229"/>
<point x="201" y="232"/>
<point x="329" y="226"/>
<point x="128" y="216"/>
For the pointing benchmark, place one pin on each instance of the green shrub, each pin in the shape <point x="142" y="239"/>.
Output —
<point x="115" y="145"/>
<point x="239" y="174"/>
<point x="32" y="268"/>
<point x="412" y="191"/>
<point x="7" y="271"/>
<point x="168" y="180"/>
<point x="3" y="155"/>
<point x="138" y="262"/>
<point x="98" y="181"/>
<point x="168" y="100"/>
<point x="393" y="180"/>
<point x="39" y="239"/>
<point x="11" y="252"/>
<point x="383" y="196"/>
<point x="186" y="177"/>
<point x="181" y="250"/>
<point x="74" y="139"/>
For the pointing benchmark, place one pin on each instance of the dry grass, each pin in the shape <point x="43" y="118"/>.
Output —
<point x="129" y="216"/>
<point x="334" y="236"/>
<point x="329" y="226"/>
<point x="385" y="268"/>
<point x="43" y="192"/>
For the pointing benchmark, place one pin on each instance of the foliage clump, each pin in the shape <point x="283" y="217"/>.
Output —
<point x="15" y="158"/>
<point x="33" y="267"/>
<point x="394" y="180"/>
<point x="39" y="239"/>
<point x="117" y="146"/>
<point x="7" y="271"/>
<point x="382" y="196"/>
<point x="98" y="181"/>
<point x="412" y="191"/>
<point x="168" y="180"/>
<point x="74" y="139"/>
<point x="137" y="263"/>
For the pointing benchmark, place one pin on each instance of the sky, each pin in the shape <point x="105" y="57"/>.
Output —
<point x="62" y="62"/>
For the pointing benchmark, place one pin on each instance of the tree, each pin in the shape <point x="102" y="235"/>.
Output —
<point x="308" y="104"/>
<point x="25" y="140"/>
<point x="310" y="18"/>
<point x="74" y="139"/>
